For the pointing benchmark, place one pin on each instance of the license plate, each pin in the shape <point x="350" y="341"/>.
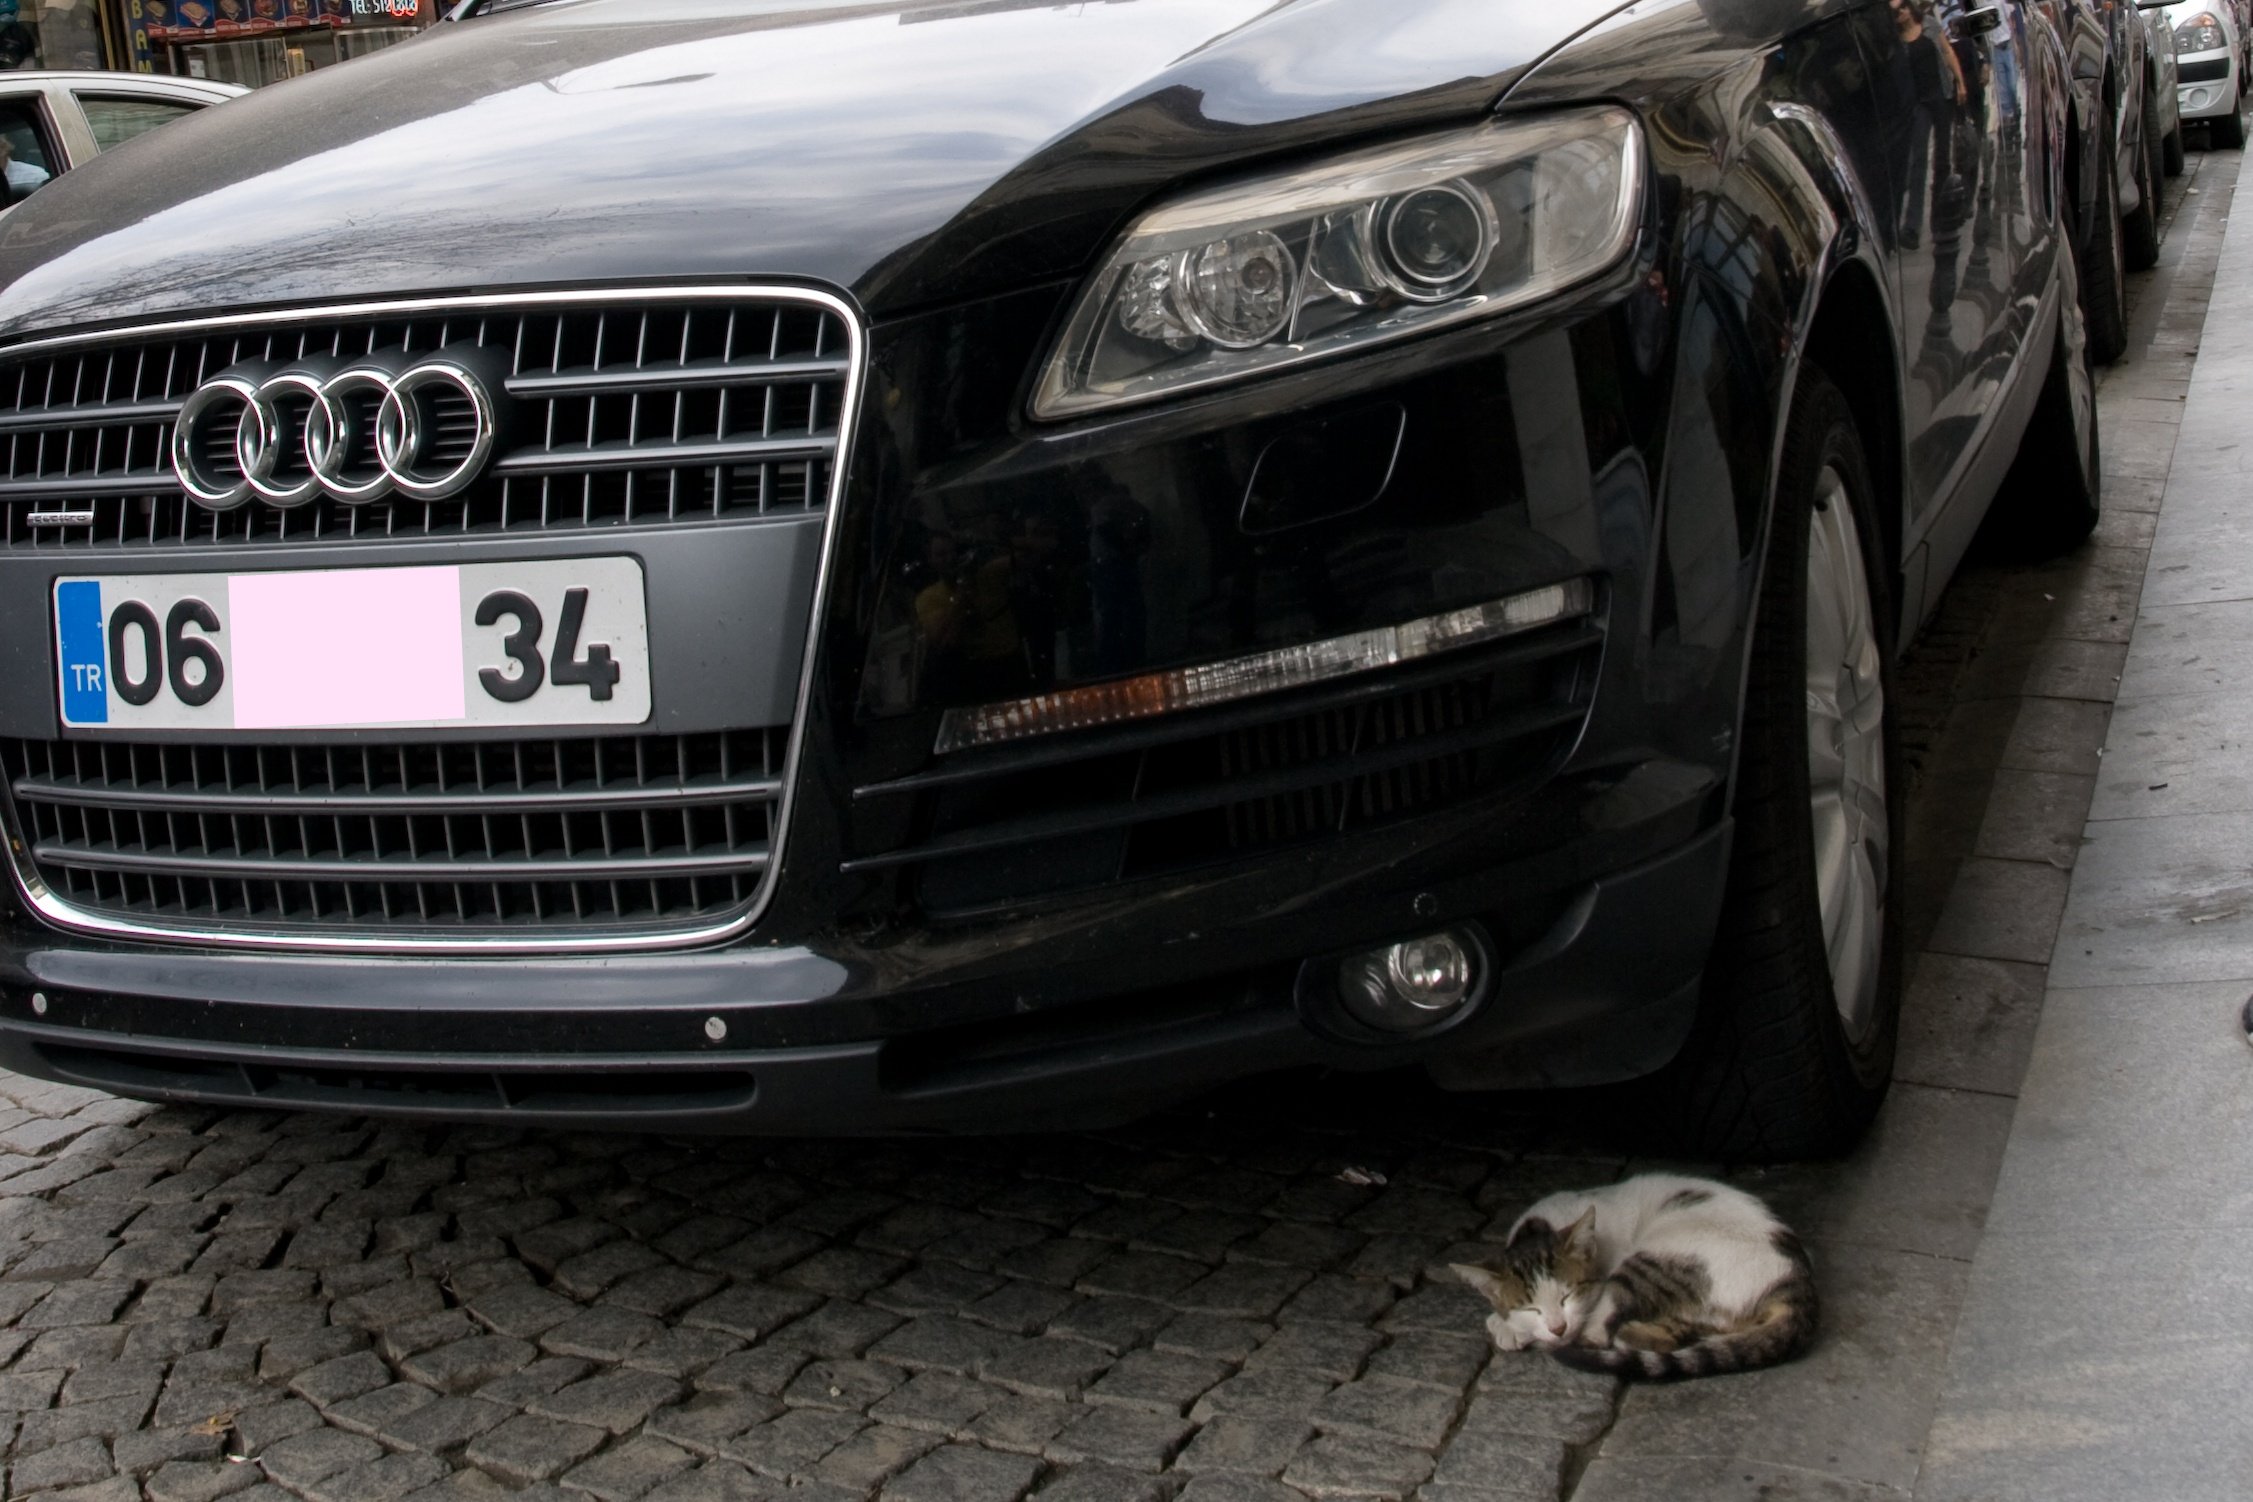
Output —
<point x="519" y="644"/>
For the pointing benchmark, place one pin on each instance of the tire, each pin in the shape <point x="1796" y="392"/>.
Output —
<point x="1774" y="1068"/>
<point x="2171" y="151"/>
<point x="2050" y="501"/>
<point x="2103" y="257"/>
<point x="2140" y="230"/>
<point x="2229" y="129"/>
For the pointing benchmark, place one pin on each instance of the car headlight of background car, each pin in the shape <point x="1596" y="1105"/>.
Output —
<point x="2201" y="33"/>
<point x="1374" y="246"/>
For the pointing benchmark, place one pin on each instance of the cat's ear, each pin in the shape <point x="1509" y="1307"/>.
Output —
<point x="1580" y="1236"/>
<point x="1483" y="1283"/>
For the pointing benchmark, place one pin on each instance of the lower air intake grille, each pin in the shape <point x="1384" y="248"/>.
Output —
<point x="516" y="839"/>
<point x="1012" y="825"/>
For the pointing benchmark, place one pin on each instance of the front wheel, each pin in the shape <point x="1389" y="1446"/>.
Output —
<point x="1793" y="1048"/>
<point x="2171" y="151"/>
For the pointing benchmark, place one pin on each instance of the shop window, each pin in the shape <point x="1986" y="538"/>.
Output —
<point x="116" y="121"/>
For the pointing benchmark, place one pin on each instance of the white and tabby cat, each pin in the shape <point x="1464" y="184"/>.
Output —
<point x="1660" y="1276"/>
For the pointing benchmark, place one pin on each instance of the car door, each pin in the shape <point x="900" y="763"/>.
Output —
<point x="33" y="150"/>
<point x="1950" y="76"/>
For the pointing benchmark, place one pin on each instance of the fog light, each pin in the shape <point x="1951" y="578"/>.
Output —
<point x="1408" y="987"/>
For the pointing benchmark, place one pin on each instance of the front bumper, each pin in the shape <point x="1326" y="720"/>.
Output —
<point x="2208" y="98"/>
<point x="1607" y="991"/>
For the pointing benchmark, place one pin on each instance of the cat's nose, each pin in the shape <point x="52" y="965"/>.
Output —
<point x="1557" y="1324"/>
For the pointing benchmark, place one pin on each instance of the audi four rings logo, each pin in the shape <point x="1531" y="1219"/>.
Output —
<point x="421" y="425"/>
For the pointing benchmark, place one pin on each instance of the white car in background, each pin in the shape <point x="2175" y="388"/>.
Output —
<point x="52" y="121"/>
<point x="2210" y="67"/>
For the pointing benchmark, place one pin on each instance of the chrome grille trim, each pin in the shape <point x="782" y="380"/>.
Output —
<point x="635" y="406"/>
<point x="63" y="914"/>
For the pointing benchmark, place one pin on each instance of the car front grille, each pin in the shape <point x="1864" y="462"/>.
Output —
<point x="642" y="411"/>
<point x="495" y="838"/>
<point x="1009" y="826"/>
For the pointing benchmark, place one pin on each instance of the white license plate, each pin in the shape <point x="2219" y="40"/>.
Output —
<point x="520" y="644"/>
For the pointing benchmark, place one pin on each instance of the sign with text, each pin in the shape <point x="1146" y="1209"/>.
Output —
<point x="224" y="20"/>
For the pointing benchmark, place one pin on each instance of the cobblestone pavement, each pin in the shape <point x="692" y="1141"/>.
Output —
<point x="1233" y="1303"/>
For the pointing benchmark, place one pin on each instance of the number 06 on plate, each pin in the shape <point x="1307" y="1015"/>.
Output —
<point x="527" y="645"/>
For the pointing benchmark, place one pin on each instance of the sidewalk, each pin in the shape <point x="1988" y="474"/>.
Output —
<point x="2107" y="1335"/>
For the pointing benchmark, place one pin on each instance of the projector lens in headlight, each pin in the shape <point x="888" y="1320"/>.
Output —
<point x="1377" y="245"/>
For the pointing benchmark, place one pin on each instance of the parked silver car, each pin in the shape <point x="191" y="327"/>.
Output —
<point x="51" y="122"/>
<point x="2210" y="67"/>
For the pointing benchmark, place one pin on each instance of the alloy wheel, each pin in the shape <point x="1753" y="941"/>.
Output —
<point x="1846" y="755"/>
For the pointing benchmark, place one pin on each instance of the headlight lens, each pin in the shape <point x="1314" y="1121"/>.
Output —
<point x="1379" y="245"/>
<point x="2201" y="33"/>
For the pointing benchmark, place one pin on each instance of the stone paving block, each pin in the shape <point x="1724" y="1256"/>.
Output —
<point x="200" y="1481"/>
<point x="81" y="1303"/>
<point x="1132" y="1438"/>
<point x="1445" y="1361"/>
<point x="965" y="1473"/>
<point x="616" y="1401"/>
<point x="259" y="1429"/>
<point x="1344" y="1465"/>
<point x="116" y="1489"/>
<point x="1272" y="1394"/>
<point x="465" y="1365"/>
<point x="374" y="1411"/>
<point x="935" y="1402"/>
<point x="939" y="1342"/>
<point x="537" y="1380"/>
<point x="601" y="1334"/>
<point x="1161" y="1381"/>
<point x="59" y="1426"/>
<point x="752" y="1313"/>
<point x="874" y="1455"/>
<point x="1254" y="1447"/>
<point x="705" y="1421"/>
<point x="762" y="1369"/>
<point x="627" y="1471"/>
<point x="1324" y="1350"/>
<point x="23" y="1391"/>
<point x="1102" y="1483"/>
<point x="342" y="1378"/>
<point x="793" y="1443"/>
<point x="1049" y="1367"/>
<point x="848" y="1386"/>
<point x="383" y="1480"/>
<point x="725" y="1481"/>
<point x="305" y="1459"/>
<point x="1238" y="1489"/>
<point x="279" y="1360"/>
<point x="72" y="1464"/>
<point x="1140" y="1275"/>
<point x="1118" y="1325"/>
<point x="1019" y="1307"/>
<point x="443" y="1426"/>
<point x="521" y="1310"/>
<point x="1020" y="1424"/>
<point x="145" y="1450"/>
<point x="1390" y="1409"/>
<point x="528" y="1448"/>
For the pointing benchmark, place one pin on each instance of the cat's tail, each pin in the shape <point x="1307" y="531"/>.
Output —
<point x="1780" y="1327"/>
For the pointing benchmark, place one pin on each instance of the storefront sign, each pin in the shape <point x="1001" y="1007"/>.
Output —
<point x="222" y="20"/>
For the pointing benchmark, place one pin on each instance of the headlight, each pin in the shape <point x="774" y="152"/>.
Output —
<point x="1389" y="242"/>
<point x="2201" y="33"/>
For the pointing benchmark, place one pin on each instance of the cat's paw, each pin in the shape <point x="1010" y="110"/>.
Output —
<point x="1505" y="1338"/>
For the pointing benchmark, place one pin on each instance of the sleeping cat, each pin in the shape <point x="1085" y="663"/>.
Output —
<point x="1659" y="1277"/>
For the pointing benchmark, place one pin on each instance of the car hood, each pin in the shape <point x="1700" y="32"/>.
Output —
<point x="907" y="152"/>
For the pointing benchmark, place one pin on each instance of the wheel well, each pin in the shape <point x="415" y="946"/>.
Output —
<point x="1852" y="340"/>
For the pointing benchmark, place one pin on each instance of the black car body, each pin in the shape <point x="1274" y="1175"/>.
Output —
<point x="775" y="905"/>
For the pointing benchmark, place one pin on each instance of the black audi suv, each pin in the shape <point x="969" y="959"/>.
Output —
<point x="863" y="567"/>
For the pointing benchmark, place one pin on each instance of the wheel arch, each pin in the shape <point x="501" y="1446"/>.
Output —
<point x="1851" y="338"/>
